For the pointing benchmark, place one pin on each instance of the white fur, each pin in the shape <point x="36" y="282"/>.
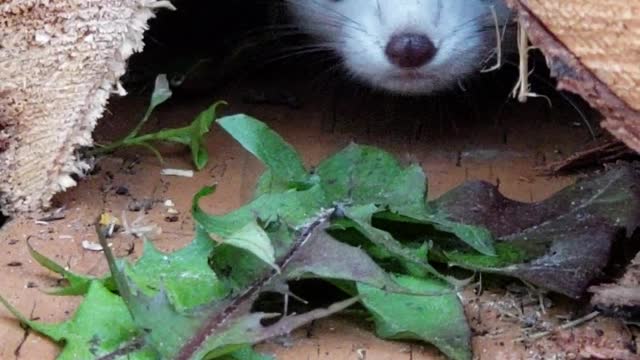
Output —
<point x="358" y="31"/>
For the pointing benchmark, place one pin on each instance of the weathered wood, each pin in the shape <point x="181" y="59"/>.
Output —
<point x="593" y="48"/>
<point x="60" y="61"/>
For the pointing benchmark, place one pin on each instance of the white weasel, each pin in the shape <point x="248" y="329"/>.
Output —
<point x="405" y="46"/>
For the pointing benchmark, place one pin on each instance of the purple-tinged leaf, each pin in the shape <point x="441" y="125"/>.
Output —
<point x="566" y="240"/>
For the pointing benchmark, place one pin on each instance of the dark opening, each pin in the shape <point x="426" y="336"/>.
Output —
<point x="3" y="219"/>
<point x="204" y="46"/>
<point x="238" y="51"/>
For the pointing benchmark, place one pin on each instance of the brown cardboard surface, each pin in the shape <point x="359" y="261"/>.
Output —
<point x="451" y="149"/>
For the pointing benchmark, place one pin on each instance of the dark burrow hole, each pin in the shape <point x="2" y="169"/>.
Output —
<point x="316" y="293"/>
<point x="206" y="47"/>
<point x="3" y="220"/>
<point x="213" y="43"/>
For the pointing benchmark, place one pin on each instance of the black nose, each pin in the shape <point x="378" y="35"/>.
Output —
<point x="409" y="50"/>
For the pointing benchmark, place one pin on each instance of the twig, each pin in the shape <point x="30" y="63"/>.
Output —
<point x="499" y="38"/>
<point x="538" y="294"/>
<point x="566" y="326"/>
<point x="522" y="86"/>
<point x="27" y="331"/>
<point x="608" y="151"/>
<point x="522" y="89"/>
<point x="563" y="95"/>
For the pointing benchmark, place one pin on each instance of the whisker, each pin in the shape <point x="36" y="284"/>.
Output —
<point x="296" y="53"/>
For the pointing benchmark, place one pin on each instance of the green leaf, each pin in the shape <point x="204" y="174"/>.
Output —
<point x="101" y="325"/>
<point x="161" y="93"/>
<point x="193" y="135"/>
<point x="195" y="303"/>
<point x="180" y="273"/>
<point x="321" y="256"/>
<point x="184" y="275"/>
<point x="479" y="238"/>
<point x="364" y="175"/>
<point x="247" y="353"/>
<point x="434" y="223"/>
<point x="506" y="254"/>
<point x="439" y="320"/>
<point x="218" y="328"/>
<point x="77" y="284"/>
<point x="255" y="240"/>
<point x="249" y="327"/>
<point x="200" y="127"/>
<point x="361" y="221"/>
<point x="292" y="207"/>
<point x="284" y="163"/>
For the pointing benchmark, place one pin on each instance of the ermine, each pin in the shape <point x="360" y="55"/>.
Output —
<point x="408" y="47"/>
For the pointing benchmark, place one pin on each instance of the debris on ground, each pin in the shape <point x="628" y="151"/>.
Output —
<point x="177" y="172"/>
<point x="621" y="298"/>
<point x="91" y="246"/>
<point x="603" y="152"/>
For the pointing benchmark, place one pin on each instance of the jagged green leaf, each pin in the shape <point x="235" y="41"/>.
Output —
<point x="255" y="240"/>
<point x="439" y="320"/>
<point x="180" y="274"/>
<point x="285" y="166"/>
<point x="193" y="135"/>
<point x="100" y="326"/>
<point x="76" y="284"/>
<point x="360" y="218"/>
<point x="292" y="206"/>
<point x="220" y="327"/>
<point x="161" y="93"/>
<point x="364" y="175"/>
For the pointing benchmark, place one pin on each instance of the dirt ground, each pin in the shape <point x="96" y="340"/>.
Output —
<point x="450" y="143"/>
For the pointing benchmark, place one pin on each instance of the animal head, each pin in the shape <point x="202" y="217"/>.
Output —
<point x="405" y="46"/>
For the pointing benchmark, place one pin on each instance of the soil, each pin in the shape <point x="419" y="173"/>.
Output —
<point x="503" y="145"/>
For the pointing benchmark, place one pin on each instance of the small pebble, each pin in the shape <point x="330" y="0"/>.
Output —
<point x="91" y="246"/>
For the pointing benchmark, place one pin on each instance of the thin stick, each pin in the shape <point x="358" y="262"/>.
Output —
<point x="522" y="88"/>
<point x="498" y="49"/>
<point x="566" y="326"/>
